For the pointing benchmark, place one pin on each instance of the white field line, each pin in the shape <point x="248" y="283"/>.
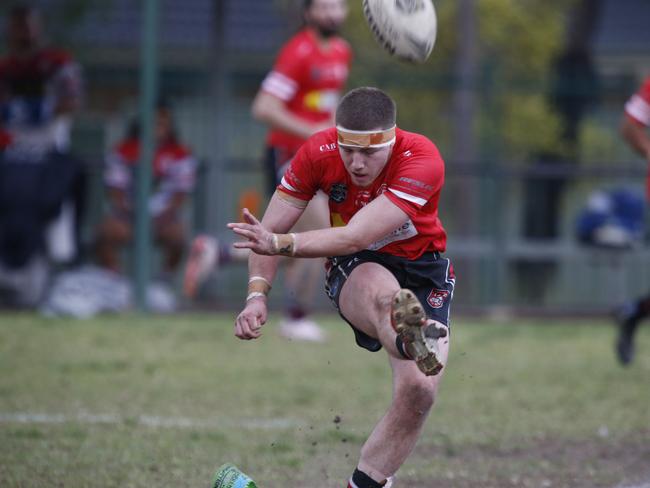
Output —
<point x="153" y="421"/>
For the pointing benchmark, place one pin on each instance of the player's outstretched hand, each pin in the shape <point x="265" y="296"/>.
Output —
<point x="249" y="322"/>
<point x="259" y="240"/>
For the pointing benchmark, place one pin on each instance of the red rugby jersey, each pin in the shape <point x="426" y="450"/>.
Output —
<point x="412" y="179"/>
<point x="43" y="77"/>
<point x="173" y="171"/>
<point x="309" y="80"/>
<point x="638" y="106"/>
<point x="33" y="75"/>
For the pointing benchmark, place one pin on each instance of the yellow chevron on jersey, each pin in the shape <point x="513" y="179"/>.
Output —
<point x="337" y="220"/>
<point x="321" y="100"/>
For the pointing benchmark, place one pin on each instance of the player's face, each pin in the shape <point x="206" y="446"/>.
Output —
<point x="327" y="16"/>
<point x="164" y="124"/>
<point x="364" y="165"/>
<point x="24" y="30"/>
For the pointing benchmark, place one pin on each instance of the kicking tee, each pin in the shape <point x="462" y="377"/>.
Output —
<point x="412" y="180"/>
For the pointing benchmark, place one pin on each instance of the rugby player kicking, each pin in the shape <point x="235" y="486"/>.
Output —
<point x="385" y="271"/>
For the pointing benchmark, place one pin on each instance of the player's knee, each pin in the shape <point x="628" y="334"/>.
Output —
<point x="113" y="231"/>
<point x="383" y="302"/>
<point x="418" y="394"/>
<point x="171" y="235"/>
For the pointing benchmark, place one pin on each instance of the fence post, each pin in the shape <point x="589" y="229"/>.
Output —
<point x="148" y="94"/>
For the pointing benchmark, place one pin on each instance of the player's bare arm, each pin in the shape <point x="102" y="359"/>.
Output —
<point x="271" y="110"/>
<point x="373" y="222"/>
<point x="280" y="216"/>
<point x="637" y="136"/>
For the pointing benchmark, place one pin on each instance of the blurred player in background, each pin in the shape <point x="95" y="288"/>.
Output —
<point x="634" y="129"/>
<point x="297" y="98"/>
<point x="42" y="185"/>
<point x="173" y="172"/>
<point x="383" y="186"/>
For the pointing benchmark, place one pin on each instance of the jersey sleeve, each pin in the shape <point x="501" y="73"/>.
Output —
<point x="68" y="81"/>
<point x="638" y="106"/>
<point x="284" y="79"/>
<point x="301" y="180"/>
<point x="418" y="179"/>
<point x="180" y="177"/>
<point x="66" y="76"/>
<point x="117" y="173"/>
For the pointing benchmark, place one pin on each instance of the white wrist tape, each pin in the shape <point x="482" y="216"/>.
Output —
<point x="259" y="278"/>
<point x="276" y="244"/>
<point x="255" y="294"/>
<point x="295" y="244"/>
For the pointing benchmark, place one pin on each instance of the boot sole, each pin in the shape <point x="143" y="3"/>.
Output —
<point x="409" y="320"/>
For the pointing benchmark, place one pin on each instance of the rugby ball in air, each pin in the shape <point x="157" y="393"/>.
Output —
<point x="405" y="28"/>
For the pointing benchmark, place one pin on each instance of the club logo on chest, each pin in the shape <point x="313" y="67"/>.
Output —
<point x="338" y="192"/>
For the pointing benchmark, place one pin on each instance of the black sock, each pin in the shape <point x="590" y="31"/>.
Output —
<point x="362" y="480"/>
<point x="400" y="347"/>
<point x="642" y="308"/>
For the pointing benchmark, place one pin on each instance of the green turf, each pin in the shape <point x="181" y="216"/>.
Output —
<point x="137" y="401"/>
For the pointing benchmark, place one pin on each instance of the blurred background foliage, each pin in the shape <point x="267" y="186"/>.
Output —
<point x="527" y="123"/>
<point x="518" y="42"/>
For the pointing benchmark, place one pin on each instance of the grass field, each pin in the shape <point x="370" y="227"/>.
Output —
<point x="132" y="401"/>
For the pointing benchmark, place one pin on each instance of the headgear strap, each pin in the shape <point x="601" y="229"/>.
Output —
<point x="365" y="138"/>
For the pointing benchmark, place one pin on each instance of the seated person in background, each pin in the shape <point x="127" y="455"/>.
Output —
<point x="173" y="174"/>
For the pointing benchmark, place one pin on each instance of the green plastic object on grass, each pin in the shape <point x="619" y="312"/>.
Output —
<point x="229" y="476"/>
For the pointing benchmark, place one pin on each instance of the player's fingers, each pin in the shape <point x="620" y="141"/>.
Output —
<point x="250" y="218"/>
<point x="239" y="333"/>
<point x="248" y="234"/>
<point x="255" y="327"/>
<point x="248" y="327"/>
<point x="255" y="333"/>
<point x="244" y="245"/>
<point x="241" y="325"/>
<point x="240" y="225"/>
<point x="242" y="333"/>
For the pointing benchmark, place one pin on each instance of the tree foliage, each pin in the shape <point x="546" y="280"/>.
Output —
<point x="518" y="41"/>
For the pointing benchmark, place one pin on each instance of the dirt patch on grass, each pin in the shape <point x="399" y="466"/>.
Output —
<point x="549" y="462"/>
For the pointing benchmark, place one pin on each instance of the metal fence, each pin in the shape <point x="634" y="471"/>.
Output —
<point x="211" y="66"/>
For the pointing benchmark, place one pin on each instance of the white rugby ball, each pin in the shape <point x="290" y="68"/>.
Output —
<point x="405" y="28"/>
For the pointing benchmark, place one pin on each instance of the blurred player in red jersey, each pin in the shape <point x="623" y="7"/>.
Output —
<point x="174" y="170"/>
<point x="386" y="275"/>
<point x="297" y="98"/>
<point x="634" y="129"/>
<point x="40" y="86"/>
<point x="42" y="184"/>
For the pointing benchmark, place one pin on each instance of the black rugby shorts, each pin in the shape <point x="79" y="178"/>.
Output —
<point x="431" y="277"/>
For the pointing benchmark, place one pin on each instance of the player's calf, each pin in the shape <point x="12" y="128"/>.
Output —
<point x="417" y="335"/>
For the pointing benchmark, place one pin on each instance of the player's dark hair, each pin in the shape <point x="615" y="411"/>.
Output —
<point x="162" y="105"/>
<point x="22" y="10"/>
<point x="366" y="108"/>
<point x="306" y="4"/>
